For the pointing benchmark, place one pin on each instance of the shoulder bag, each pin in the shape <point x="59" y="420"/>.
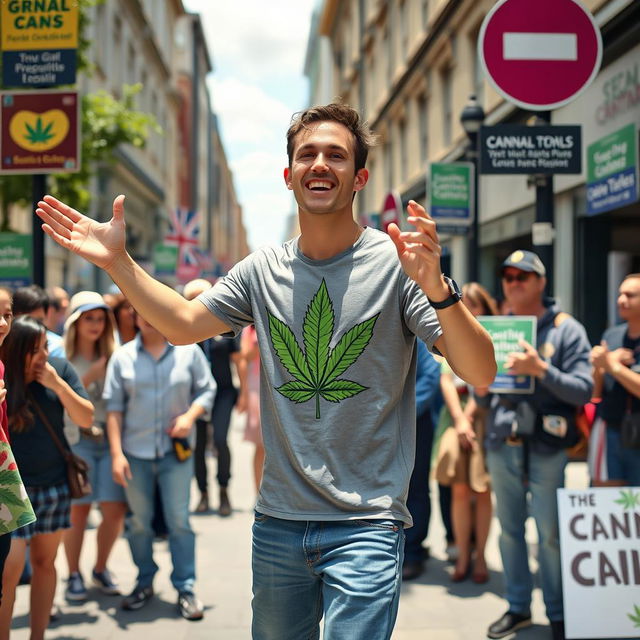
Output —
<point x="77" y="468"/>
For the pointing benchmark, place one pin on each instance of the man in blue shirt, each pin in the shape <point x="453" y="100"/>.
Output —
<point x="155" y="392"/>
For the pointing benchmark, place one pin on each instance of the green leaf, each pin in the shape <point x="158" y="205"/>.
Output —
<point x="8" y="477"/>
<point x="628" y="499"/>
<point x="296" y="391"/>
<point x="288" y="350"/>
<point x="338" y="390"/>
<point x="349" y="349"/>
<point x="317" y="331"/>
<point x="8" y="497"/>
<point x="25" y="518"/>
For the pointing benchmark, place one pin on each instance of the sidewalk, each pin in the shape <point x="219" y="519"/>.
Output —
<point x="430" y="607"/>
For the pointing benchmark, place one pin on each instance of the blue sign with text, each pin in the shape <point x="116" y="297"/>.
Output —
<point x="39" y="68"/>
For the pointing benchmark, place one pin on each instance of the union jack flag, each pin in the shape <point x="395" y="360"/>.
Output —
<point x="184" y="229"/>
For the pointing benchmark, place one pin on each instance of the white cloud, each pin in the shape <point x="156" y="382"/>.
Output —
<point x="254" y="37"/>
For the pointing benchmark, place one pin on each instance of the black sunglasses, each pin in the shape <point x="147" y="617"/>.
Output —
<point x="523" y="276"/>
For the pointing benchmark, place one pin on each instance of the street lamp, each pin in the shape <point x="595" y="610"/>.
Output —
<point x="471" y="118"/>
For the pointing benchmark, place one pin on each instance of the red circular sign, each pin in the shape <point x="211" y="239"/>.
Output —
<point x="540" y="55"/>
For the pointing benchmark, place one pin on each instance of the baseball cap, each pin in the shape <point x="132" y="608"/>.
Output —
<point x="525" y="261"/>
<point x="84" y="301"/>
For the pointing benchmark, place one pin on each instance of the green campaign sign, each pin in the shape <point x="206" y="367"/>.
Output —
<point x="165" y="259"/>
<point x="506" y="333"/>
<point x="612" y="171"/>
<point x="15" y="259"/>
<point x="450" y="192"/>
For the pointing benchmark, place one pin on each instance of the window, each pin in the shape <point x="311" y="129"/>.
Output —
<point x="131" y="64"/>
<point x="116" y="70"/>
<point x="404" y="27"/>
<point x="423" y="129"/>
<point x="478" y="73"/>
<point x="100" y="27"/>
<point x="388" y="165"/>
<point x="446" y="105"/>
<point x="404" y="152"/>
<point x="425" y="13"/>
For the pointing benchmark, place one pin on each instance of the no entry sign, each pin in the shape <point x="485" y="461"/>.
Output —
<point x="540" y="55"/>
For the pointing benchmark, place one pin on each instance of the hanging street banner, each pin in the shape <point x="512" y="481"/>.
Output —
<point x="451" y="193"/>
<point x="612" y="171"/>
<point x="600" y="558"/>
<point x="39" y="132"/>
<point x="165" y="259"/>
<point x="522" y="149"/>
<point x="39" y="40"/>
<point x="15" y="260"/>
<point x="506" y="333"/>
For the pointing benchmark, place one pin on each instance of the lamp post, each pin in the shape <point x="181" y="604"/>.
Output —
<point x="471" y="118"/>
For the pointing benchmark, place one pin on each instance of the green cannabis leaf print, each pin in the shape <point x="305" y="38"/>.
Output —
<point x="316" y="370"/>
<point x="628" y="499"/>
<point x="635" y="618"/>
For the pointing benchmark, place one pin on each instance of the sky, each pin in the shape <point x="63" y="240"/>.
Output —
<point x="258" y="51"/>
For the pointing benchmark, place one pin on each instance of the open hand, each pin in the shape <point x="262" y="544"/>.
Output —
<point x="98" y="242"/>
<point x="419" y="251"/>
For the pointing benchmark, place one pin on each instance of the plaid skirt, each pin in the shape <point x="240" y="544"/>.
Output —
<point x="52" y="506"/>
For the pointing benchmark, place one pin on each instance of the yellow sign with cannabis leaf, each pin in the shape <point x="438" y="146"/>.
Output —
<point x="39" y="131"/>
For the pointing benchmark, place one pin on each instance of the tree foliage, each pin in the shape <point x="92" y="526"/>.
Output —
<point x="106" y="123"/>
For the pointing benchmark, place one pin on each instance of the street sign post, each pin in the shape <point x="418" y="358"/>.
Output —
<point x="540" y="55"/>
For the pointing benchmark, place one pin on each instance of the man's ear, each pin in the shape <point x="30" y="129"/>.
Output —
<point x="287" y="178"/>
<point x="361" y="179"/>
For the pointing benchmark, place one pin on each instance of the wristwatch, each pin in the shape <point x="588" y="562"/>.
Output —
<point x="454" y="295"/>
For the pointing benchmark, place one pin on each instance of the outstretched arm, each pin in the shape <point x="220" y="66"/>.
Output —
<point x="464" y="343"/>
<point x="179" y="320"/>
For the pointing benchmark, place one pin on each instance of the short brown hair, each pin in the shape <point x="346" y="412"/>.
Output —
<point x="364" y="139"/>
<point x="631" y="275"/>
<point x="480" y="296"/>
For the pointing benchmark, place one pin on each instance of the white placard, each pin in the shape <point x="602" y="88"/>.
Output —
<point x="600" y="548"/>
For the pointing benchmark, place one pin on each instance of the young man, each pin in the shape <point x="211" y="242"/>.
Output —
<point x="616" y="367"/>
<point x="534" y="463"/>
<point x="336" y="312"/>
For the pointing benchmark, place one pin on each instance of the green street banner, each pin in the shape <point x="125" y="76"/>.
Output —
<point x="612" y="171"/>
<point x="165" y="260"/>
<point x="15" y="259"/>
<point x="600" y="559"/>
<point x="506" y="333"/>
<point x="451" y="193"/>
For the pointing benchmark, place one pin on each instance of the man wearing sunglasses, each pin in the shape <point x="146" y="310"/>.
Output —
<point x="526" y="440"/>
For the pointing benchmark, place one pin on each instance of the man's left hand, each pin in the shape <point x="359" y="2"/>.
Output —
<point x="419" y="251"/>
<point x="525" y="363"/>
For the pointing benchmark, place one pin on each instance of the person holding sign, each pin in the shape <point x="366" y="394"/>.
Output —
<point x="527" y="435"/>
<point x="616" y="369"/>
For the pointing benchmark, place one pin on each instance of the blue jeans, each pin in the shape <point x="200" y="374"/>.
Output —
<point x="174" y="480"/>
<point x="622" y="464"/>
<point x="347" y="570"/>
<point x="546" y="474"/>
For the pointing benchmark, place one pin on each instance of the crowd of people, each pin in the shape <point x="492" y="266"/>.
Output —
<point x="144" y="377"/>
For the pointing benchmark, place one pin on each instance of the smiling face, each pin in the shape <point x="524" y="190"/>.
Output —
<point x="35" y="361"/>
<point x="90" y="325"/>
<point x="6" y="316"/>
<point x="629" y="300"/>
<point x="322" y="175"/>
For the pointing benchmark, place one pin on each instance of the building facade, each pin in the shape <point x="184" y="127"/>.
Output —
<point x="409" y="66"/>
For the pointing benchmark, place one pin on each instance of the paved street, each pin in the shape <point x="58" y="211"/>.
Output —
<point x="430" y="607"/>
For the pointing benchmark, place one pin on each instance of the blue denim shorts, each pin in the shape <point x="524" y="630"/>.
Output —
<point x="348" y="571"/>
<point x="98" y="457"/>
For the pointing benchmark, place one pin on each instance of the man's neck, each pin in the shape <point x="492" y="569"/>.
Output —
<point x="536" y="309"/>
<point x="633" y="328"/>
<point x="323" y="236"/>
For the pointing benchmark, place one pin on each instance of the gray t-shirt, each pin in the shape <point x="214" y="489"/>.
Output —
<point x="338" y="369"/>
